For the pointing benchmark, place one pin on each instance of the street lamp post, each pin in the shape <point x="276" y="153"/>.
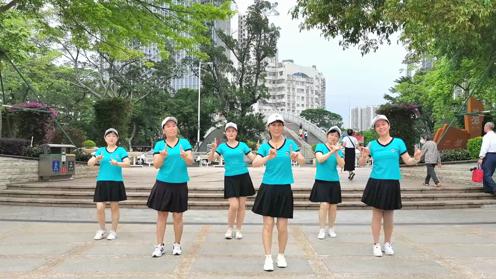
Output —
<point x="199" y="97"/>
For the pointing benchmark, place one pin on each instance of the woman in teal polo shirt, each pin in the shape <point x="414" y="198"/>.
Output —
<point x="275" y="197"/>
<point x="326" y="189"/>
<point x="170" y="192"/>
<point x="237" y="181"/>
<point x="109" y="182"/>
<point x="382" y="192"/>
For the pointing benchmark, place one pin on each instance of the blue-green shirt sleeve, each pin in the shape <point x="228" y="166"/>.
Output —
<point x="402" y="146"/>
<point x="294" y="146"/>
<point x="340" y="153"/>
<point x="185" y="144"/>
<point x="246" y="148"/>
<point x="220" y="149"/>
<point x="369" y="147"/>
<point x="158" y="147"/>
<point x="319" y="148"/>
<point x="123" y="153"/>
<point x="98" y="152"/>
<point x="263" y="150"/>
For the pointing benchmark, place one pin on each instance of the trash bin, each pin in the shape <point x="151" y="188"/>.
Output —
<point x="56" y="162"/>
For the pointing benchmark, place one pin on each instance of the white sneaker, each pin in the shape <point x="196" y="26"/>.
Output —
<point x="176" y="249"/>
<point x="112" y="235"/>
<point x="388" y="249"/>
<point x="100" y="234"/>
<point x="238" y="235"/>
<point x="321" y="234"/>
<point x="377" y="250"/>
<point x="332" y="233"/>
<point x="281" y="261"/>
<point x="228" y="234"/>
<point x="159" y="251"/>
<point x="268" y="264"/>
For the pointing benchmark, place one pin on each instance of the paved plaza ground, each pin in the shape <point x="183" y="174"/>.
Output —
<point x="56" y="242"/>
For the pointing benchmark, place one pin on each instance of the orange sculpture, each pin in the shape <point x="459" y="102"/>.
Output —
<point x="455" y="138"/>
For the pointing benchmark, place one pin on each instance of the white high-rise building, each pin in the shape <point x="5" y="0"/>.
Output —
<point x="361" y="117"/>
<point x="292" y="88"/>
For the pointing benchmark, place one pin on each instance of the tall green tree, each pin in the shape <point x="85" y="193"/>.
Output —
<point x="322" y="118"/>
<point x="239" y="85"/>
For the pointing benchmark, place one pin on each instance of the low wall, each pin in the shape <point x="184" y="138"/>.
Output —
<point x="15" y="170"/>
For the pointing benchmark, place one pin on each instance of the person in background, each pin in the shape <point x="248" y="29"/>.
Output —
<point x="487" y="158"/>
<point x="350" y="144"/>
<point x="431" y="158"/>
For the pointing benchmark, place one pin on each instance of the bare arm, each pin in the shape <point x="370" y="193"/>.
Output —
<point x="158" y="159"/>
<point x="187" y="157"/>
<point x="321" y="158"/>
<point x="251" y="156"/>
<point x="213" y="155"/>
<point x="412" y="160"/>
<point x="93" y="160"/>
<point x="364" y="155"/>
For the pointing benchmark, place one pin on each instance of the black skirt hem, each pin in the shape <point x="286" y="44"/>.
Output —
<point x="169" y="197"/>
<point x="274" y="201"/>
<point x="109" y="191"/>
<point x="238" y="186"/>
<point x="384" y="194"/>
<point x="326" y="191"/>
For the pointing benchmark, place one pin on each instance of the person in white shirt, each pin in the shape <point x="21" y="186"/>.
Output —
<point x="350" y="144"/>
<point x="487" y="158"/>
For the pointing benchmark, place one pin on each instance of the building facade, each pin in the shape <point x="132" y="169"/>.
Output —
<point x="361" y="117"/>
<point x="292" y="88"/>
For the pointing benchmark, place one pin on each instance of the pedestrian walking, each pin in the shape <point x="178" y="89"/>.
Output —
<point x="109" y="182"/>
<point x="382" y="191"/>
<point x="326" y="189"/>
<point x="350" y="144"/>
<point x="274" y="200"/>
<point x="431" y="159"/>
<point x="487" y="158"/>
<point x="237" y="181"/>
<point x="171" y="156"/>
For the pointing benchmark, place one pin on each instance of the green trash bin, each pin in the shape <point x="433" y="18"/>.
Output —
<point x="56" y="162"/>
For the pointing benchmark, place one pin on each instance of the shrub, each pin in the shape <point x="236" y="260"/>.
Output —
<point x="89" y="144"/>
<point x="474" y="146"/>
<point x="77" y="136"/>
<point x="13" y="146"/>
<point x="34" y="119"/>
<point x="455" y="155"/>
<point x="32" y="151"/>
<point x="81" y="156"/>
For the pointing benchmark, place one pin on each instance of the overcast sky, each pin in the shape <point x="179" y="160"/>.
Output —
<point x="352" y="80"/>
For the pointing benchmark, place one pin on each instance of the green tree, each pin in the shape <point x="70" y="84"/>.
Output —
<point x="115" y="27"/>
<point x="322" y="118"/>
<point x="461" y="33"/>
<point x="402" y="119"/>
<point x="239" y="85"/>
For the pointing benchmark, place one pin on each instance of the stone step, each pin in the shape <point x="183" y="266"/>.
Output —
<point x="224" y="204"/>
<point x="218" y="195"/>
